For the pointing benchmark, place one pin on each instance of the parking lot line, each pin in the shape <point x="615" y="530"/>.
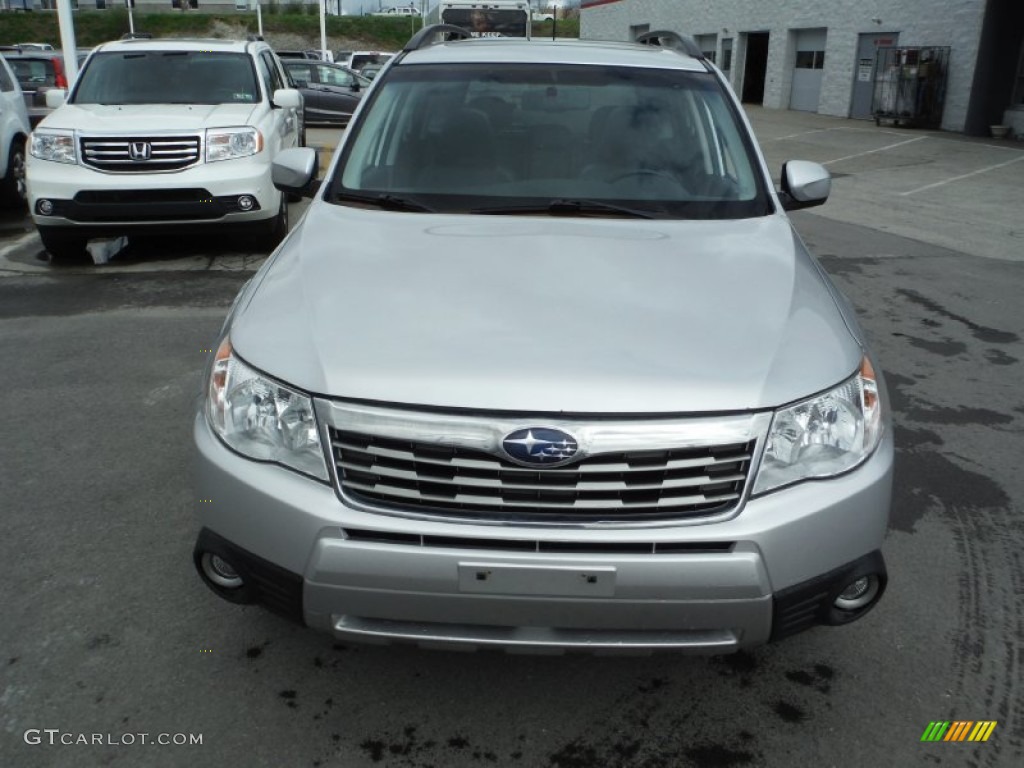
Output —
<point x="962" y="176"/>
<point x="802" y="133"/>
<point x="873" y="151"/>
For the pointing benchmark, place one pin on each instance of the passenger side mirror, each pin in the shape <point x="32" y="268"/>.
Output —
<point x="302" y="83"/>
<point x="804" y="184"/>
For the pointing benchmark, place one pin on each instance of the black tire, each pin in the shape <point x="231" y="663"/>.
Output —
<point x="274" y="231"/>
<point x="12" y="187"/>
<point x="64" y="247"/>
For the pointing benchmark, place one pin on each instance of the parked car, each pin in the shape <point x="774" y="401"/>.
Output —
<point x="14" y="131"/>
<point x="283" y="55"/>
<point x="568" y="380"/>
<point x="330" y="92"/>
<point x="164" y="135"/>
<point x="358" y="60"/>
<point x="38" y="72"/>
<point x="370" y="71"/>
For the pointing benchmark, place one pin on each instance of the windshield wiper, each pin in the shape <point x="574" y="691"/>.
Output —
<point x="386" y="201"/>
<point x="564" y="207"/>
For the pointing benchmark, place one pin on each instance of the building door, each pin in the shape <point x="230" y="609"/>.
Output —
<point x="755" y="67"/>
<point x="864" y="73"/>
<point x="707" y="45"/>
<point x="808" y="70"/>
<point x="727" y="57"/>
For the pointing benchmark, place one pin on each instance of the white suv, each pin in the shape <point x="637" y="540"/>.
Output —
<point x="161" y="135"/>
<point x="14" y="130"/>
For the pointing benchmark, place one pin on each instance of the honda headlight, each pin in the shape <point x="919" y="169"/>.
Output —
<point x="56" y="146"/>
<point x="229" y="143"/>
<point x="824" y="435"/>
<point x="262" y="419"/>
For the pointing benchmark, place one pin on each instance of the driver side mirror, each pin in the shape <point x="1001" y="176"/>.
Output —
<point x="55" y="97"/>
<point x="354" y="87"/>
<point x="804" y="184"/>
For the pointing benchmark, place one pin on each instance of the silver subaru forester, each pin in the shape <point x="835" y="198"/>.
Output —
<point x="545" y="367"/>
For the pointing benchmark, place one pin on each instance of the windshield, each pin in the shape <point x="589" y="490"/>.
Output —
<point x="497" y="138"/>
<point x="167" y="77"/>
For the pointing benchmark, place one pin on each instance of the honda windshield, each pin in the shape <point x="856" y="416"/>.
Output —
<point x="167" y="77"/>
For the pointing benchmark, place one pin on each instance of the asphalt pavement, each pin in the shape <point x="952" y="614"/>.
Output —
<point x="108" y="634"/>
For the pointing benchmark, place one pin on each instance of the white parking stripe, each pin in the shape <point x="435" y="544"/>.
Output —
<point x="7" y="265"/>
<point x="963" y="176"/>
<point x="873" y="151"/>
<point x="802" y="133"/>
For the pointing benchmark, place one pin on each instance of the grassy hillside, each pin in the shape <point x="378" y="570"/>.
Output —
<point x="279" y="23"/>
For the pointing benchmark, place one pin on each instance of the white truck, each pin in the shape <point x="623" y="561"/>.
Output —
<point x="497" y="18"/>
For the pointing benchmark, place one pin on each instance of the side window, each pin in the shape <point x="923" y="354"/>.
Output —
<point x="6" y="83"/>
<point x="269" y="74"/>
<point x="331" y="76"/>
<point x="301" y="73"/>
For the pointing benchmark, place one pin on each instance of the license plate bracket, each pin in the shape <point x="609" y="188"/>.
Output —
<point x="537" y="580"/>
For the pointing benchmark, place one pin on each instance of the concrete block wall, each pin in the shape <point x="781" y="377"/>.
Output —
<point x="953" y="23"/>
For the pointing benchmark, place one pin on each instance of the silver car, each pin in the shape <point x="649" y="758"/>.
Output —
<point x="546" y="367"/>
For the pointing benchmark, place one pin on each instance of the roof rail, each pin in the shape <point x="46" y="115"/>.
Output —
<point x="664" y="38"/>
<point x="254" y="38"/>
<point x="137" y="36"/>
<point x="427" y="35"/>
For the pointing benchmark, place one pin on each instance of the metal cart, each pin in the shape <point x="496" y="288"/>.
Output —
<point x="910" y="86"/>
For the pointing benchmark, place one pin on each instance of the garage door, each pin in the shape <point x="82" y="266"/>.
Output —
<point x="808" y="70"/>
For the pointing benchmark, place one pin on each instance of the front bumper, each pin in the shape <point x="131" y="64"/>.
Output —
<point x="87" y="199"/>
<point x="770" y="571"/>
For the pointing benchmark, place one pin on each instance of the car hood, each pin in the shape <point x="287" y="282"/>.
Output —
<point x="129" y="118"/>
<point x="555" y="315"/>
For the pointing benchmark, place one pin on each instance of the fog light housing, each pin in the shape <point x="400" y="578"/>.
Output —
<point x="220" y="571"/>
<point x="246" y="203"/>
<point x="858" y="593"/>
<point x="44" y="207"/>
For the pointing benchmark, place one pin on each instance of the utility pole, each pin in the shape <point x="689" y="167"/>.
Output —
<point x="66" y="22"/>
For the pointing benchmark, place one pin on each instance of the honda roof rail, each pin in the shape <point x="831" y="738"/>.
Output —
<point x="427" y="36"/>
<point x="664" y="38"/>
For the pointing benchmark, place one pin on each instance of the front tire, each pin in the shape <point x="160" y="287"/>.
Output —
<point x="64" y="247"/>
<point x="274" y="231"/>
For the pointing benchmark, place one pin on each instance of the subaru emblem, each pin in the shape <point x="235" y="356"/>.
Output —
<point x="540" y="446"/>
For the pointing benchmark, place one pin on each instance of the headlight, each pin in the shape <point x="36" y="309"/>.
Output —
<point x="824" y="435"/>
<point x="229" y="143"/>
<point x="56" y="146"/>
<point x="262" y="419"/>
